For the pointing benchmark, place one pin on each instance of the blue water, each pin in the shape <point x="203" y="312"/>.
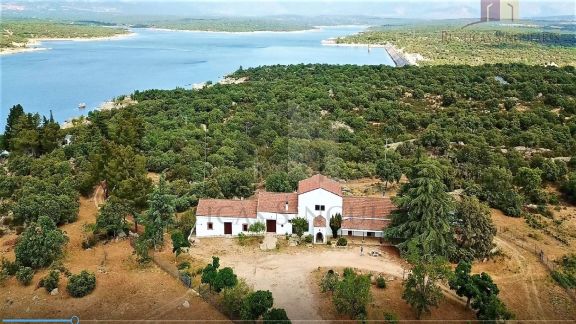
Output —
<point x="94" y="72"/>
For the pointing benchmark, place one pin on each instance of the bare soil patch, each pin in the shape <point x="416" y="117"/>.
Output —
<point x="124" y="290"/>
<point x="389" y="300"/>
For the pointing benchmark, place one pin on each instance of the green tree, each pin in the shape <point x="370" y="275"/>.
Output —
<point x="388" y="171"/>
<point x="569" y="187"/>
<point x="160" y="214"/>
<point x="49" y="135"/>
<point x="299" y="225"/>
<point x="112" y="217"/>
<point x="125" y="173"/>
<point x="225" y="278"/>
<point x="422" y="287"/>
<point x="335" y="224"/>
<point x="475" y="229"/>
<point x="232" y="298"/>
<point x="40" y="244"/>
<point x="276" y="316"/>
<point x="449" y="98"/>
<point x="256" y="305"/>
<point x="210" y="272"/>
<point x="278" y="182"/>
<point x="489" y="307"/>
<point x="352" y="294"/>
<point x="25" y="135"/>
<point x="424" y="212"/>
<point x="61" y="208"/>
<point x="179" y="242"/>
<point x="13" y="117"/>
<point x="462" y="282"/>
<point x="498" y="190"/>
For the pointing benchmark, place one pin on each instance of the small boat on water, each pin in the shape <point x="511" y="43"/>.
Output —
<point x="82" y="106"/>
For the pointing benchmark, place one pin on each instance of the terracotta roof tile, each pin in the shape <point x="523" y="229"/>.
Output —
<point x="319" y="182"/>
<point x="319" y="221"/>
<point x="227" y="208"/>
<point x="367" y="207"/>
<point x="364" y="224"/>
<point x="273" y="202"/>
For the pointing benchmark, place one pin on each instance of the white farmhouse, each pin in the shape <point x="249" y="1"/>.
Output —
<point x="318" y="199"/>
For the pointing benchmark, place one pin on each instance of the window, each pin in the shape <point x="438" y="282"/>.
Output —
<point x="210" y="226"/>
<point x="370" y="234"/>
<point x="349" y="233"/>
<point x="320" y="207"/>
<point x="245" y="227"/>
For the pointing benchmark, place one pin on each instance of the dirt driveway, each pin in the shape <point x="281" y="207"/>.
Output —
<point x="288" y="273"/>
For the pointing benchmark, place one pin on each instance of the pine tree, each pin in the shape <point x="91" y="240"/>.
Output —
<point x="160" y="214"/>
<point x="15" y="113"/>
<point x="425" y="212"/>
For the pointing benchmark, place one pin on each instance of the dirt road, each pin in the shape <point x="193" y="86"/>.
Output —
<point x="288" y="276"/>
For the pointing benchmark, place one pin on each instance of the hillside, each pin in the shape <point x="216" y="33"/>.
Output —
<point x="505" y="134"/>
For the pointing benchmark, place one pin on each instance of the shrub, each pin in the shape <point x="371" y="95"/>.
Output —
<point x="299" y="226"/>
<point x="40" y="244"/>
<point x="89" y="241"/>
<point x="225" y="278"/>
<point x="276" y="316"/>
<point x="9" y="268"/>
<point x="25" y="275"/>
<point x="232" y="298"/>
<point x="565" y="280"/>
<point x="352" y="294"/>
<point x="256" y="305"/>
<point x="390" y="318"/>
<point x="329" y="281"/>
<point x="381" y="282"/>
<point x="184" y="265"/>
<point x="308" y="238"/>
<point x="257" y="227"/>
<point x="186" y="222"/>
<point x="81" y="284"/>
<point x="342" y="242"/>
<point x="50" y="282"/>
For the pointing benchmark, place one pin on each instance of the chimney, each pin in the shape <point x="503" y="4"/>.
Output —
<point x="286" y="206"/>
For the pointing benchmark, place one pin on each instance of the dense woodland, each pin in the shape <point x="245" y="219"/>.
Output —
<point x="455" y="42"/>
<point x="16" y="32"/>
<point x="500" y="134"/>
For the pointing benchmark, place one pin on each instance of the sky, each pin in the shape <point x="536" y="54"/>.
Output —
<point x="426" y="9"/>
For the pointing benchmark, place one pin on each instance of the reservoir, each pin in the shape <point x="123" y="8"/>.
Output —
<point x="71" y="73"/>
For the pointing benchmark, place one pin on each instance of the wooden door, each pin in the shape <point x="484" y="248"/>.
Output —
<point x="228" y="228"/>
<point x="271" y="225"/>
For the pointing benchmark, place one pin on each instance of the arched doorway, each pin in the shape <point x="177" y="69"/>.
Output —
<point x="319" y="237"/>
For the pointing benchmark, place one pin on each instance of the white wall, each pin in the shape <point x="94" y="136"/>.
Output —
<point x="218" y="225"/>
<point x="307" y="202"/>
<point x="344" y="233"/>
<point x="283" y="225"/>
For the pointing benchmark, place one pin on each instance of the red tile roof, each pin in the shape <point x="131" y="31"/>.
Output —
<point x="319" y="221"/>
<point x="367" y="207"/>
<point x="227" y="208"/>
<point x="364" y="224"/>
<point x="273" y="202"/>
<point x="319" y="182"/>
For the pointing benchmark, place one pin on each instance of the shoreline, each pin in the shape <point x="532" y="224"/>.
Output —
<point x="398" y="56"/>
<point x="35" y="44"/>
<point x="315" y="29"/>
